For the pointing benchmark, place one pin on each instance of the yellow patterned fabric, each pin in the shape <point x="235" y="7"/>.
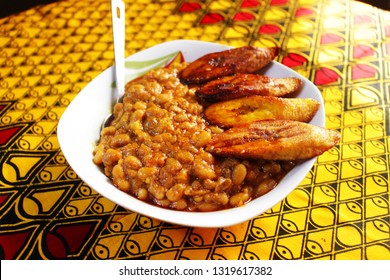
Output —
<point x="48" y="54"/>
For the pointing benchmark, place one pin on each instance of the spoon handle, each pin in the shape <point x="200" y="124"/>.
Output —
<point x="118" y="27"/>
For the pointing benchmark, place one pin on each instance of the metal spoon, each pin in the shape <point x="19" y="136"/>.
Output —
<point x="118" y="29"/>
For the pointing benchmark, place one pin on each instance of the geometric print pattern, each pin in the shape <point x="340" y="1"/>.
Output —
<point x="341" y="210"/>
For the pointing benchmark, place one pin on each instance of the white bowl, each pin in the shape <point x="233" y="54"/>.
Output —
<point x="79" y="129"/>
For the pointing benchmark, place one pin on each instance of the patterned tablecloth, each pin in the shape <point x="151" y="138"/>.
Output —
<point x="51" y="52"/>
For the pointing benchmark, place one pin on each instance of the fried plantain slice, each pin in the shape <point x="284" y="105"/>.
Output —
<point x="241" y="85"/>
<point x="274" y="140"/>
<point x="226" y="63"/>
<point x="253" y="108"/>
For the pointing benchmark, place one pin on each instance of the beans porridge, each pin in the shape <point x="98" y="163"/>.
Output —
<point x="155" y="151"/>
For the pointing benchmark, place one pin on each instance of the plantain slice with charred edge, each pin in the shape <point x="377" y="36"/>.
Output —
<point x="241" y="85"/>
<point x="274" y="140"/>
<point x="226" y="63"/>
<point x="253" y="108"/>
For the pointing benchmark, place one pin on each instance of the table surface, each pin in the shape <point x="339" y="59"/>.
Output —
<point x="49" y="53"/>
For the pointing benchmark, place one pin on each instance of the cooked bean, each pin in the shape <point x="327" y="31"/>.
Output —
<point x="176" y="192"/>
<point x="98" y="154"/>
<point x="118" y="109"/>
<point x="137" y="115"/>
<point x="181" y="117"/>
<point x="265" y="187"/>
<point x="162" y="202"/>
<point x="146" y="173"/>
<point x="108" y="131"/>
<point x="195" y="190"/>
<point x="132" y="162"/>
<point x="203" y="170"/>
<point x="239" y="174"/>
<point x="120" y="140"/>
<point x="272" y="168"/>
<point x="156" y="159"/>
<point x="184" y="156"/>
<point x="143" y="150"/>
<point x="111" y="157"/>
<point x="239" y="199"/>
<point x="220" y="198"/>
<point x="208" y="207"/>
<point x="223" y="184"/>
<point x="120" y="179"/>
<point x="181" y="204"/>
<point x="207" y="157"/>
<point x="173" y="165"/>
<point x="128" y="107"/>
<point x="183" y="177"/>
<point x="201" y="139"/>
<point x="157" y="191"/>
<point x="142" y="193"/>
<point x="163" y="98"/>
